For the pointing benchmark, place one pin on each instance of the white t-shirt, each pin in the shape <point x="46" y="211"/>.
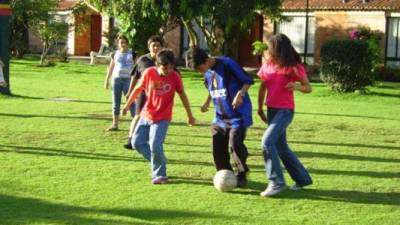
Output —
<point x="124" y="62"/>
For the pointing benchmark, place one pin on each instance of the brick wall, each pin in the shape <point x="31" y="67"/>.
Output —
<point x="334" y="24"/>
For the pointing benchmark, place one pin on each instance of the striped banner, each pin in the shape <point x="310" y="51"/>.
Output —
<point x="5" y="10"/>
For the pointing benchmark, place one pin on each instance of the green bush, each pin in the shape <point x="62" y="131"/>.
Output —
<point x="346" y="65"/>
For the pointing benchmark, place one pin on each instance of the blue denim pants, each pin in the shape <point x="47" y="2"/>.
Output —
<point x="148" y="140"/>
<point x="119" y="86"/>
<point x="276" y="149"/>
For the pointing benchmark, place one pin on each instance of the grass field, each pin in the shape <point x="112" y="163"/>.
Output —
<point x="58" y="165"/>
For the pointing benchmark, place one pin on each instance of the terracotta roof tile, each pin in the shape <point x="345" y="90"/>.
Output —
<point x="67" y="4"/>
<point x="339" y="5"/>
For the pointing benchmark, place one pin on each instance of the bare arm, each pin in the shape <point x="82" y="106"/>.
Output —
<point x="261" y="98"/>
<point x="304" y="85"/>
<point x="204" y="107"/>
<point x="110" y="69"/>
<point x="186" y="105"/>
<point x="132" y="98"/>
<point x="238" y="100"/>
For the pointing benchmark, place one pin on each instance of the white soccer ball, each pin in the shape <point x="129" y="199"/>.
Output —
<point x="225" y="180"/>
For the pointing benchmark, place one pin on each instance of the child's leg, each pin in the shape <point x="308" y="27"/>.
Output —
<point x="125" y="87"/>
<point x="117" y="87"/>
<point x="292" y="164"/>
<point x="220" y="144"/>
<point x="238" y="149"/>
<point x="140" y="139"/>
<point x="158" y="132"/>
<point x="278" y="120"/>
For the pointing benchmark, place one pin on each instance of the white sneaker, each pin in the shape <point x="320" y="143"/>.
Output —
<point x="296" y="187"/>
<point x="273" y="190"/>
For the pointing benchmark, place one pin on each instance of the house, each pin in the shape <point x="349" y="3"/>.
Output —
<point x="86" y="31"/>
<point x="325" y="19"/>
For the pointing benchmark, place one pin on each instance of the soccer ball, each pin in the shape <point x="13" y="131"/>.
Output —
<point x="225" y="180"/>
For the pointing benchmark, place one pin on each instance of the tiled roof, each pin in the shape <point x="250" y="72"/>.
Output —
<point x="67" y="4"/>
<point x="341" y="5"/>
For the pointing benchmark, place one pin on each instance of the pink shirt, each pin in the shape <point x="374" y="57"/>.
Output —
<point x="160" y="92"/>
<point x="276" y="80"/>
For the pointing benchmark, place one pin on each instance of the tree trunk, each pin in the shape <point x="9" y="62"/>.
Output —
<point x="45" y="51"/>
<point x="193" y="39"/>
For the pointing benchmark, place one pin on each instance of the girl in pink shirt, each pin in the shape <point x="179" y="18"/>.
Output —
<point x="281" y="75"/>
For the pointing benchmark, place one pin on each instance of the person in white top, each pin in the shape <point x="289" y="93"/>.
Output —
<point x="121" y="64"/>
<point x="3" y="83"/>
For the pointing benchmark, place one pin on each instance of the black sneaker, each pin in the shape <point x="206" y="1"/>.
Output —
<point x="128" y="146"/>
<point x="241" y="179"/>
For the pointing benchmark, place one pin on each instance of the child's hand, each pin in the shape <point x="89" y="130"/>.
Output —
<point x="237" y="101"/>
<point x="3" y="84"/>
<point x="293" y="86"/>
<point x="125" y="110"/>
<point x="261" y="113"/>
<point x="191" y="121"/>
<point x="204" y="108"/>
<point x="106" y="84"/>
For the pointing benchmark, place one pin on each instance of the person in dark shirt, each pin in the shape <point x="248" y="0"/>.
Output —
<point x="155" y="44"/>
<point x="227" y="84"/>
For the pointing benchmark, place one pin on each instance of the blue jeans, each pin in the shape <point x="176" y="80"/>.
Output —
<point x="276" y="148"/>
<point x="119" y="86"/>
<point x="148" y="139"/>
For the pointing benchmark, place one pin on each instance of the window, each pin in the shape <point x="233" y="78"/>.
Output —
<point x="392" y="43"/>
<point x="295" y="29"/>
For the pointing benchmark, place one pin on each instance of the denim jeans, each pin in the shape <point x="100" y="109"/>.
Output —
<point x="148" y="140"/>
<point x="276" y="148"/>
<point x="119" y="86"/>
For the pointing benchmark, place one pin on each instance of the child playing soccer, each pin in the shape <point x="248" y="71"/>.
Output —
<point x="160" y="84"/>
<point x="281" y="75"/>
<point x="227" y="84"/>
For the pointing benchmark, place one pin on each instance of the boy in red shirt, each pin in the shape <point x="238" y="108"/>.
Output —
<point x="160" y="84"/>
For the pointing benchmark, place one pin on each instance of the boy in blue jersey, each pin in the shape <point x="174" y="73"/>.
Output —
<point x="227" y="84"/>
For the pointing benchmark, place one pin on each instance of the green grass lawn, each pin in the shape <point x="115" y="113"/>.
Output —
<point x="58" y="165"/>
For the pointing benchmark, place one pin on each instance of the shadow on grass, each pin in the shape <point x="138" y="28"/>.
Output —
<point x="374" y="93"/>
<point x="24" y="210"/>
<point x="359" y="197"/>
<point x="53" y="99"/>
<point x="372" y="174"/>
<point x="55" y="117"/>
<point x="387" y="147"/>
<point x="191" y="180"/>
<point x="63" y="153"/>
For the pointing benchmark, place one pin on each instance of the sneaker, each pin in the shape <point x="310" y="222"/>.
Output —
<point x="160" y="180"/>
<point x="128" y="146"/>
<point x="273" y="190"/>
<point x="241" y="179"/>
<point x="113" y="128"/>
<point x="297" y="187"/>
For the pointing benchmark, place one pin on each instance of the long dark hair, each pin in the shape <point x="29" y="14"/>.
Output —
<point x="281" y="51"/>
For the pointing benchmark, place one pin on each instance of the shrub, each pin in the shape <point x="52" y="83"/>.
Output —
<point x="383" y="73"/>
<point x="346" y="65"/>
<point x="372" y="38"/>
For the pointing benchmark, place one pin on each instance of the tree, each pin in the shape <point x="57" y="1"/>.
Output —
<point x="50" y="32"/>
<point x="24" y="14"/>
<point x="218" y="20"/>
<point x="136" y="21"/>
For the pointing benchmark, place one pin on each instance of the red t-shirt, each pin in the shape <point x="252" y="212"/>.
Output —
<point x="160" y="92"/>
<point x="276" y="80"/>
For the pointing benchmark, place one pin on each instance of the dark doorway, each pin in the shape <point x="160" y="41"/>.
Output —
<point x="245" y="51"/>
<point x="95" y="33"/>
